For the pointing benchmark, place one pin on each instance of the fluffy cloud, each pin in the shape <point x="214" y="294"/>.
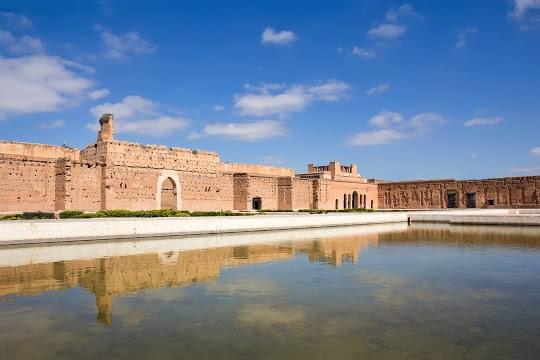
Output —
<point x="41" y="83"/>
<point x="15" y="20"/>
<point x="160" y="126"/>
<point x="394" y="127"/>
<point x="20" y="45"/>
<point x="121" y="46"/>
<point x="521" y="7"/>
<point x="378" y="89"/>
<point x="483" y="121"/>
<point x="98" y="94"/>
<point x="363" y="53"/>
<point x="249" y="131"/>
<point x="270" y="36"/>
<point x="464" y="36"/>
<point x="405" y="10"/>
<point x="377" y="137"/>
<point x="535" y="151"/>
<point x="289" y="99"/>
<point x="130" y="106"/>
<point x="386" y="119"/>
<point x="387" y="31"/>
<point x="137" y="115"/>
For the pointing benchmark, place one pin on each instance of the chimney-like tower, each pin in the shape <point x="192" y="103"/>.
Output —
<point x="106" y="128"/>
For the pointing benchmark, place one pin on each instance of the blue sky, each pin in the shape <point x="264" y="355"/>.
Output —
<point x="417" y="89"/>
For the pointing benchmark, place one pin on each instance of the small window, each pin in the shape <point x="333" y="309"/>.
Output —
<point x="491" y="202"/>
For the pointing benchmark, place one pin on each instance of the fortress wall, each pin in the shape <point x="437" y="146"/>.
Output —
<point x="256" y="169"/>
<point x="331" y="190"/>
<point x="302" y="193"/>
<point x="38" y="150"/>
<point x="512" y="192"/>
<point x="136" y="188"/>
<point x="266" y="188"/>
<point x="85" y="189"/>
<point x="27" y="183"/>
<point x="415" y="195"/>
<point x="241" y="192"/>
<point x="207" y="192"/>
<point x="119" y="153"/>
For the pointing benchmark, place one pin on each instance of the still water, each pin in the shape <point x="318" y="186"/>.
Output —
<point x="372" y="292"/>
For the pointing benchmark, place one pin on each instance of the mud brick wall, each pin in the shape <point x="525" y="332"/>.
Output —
<point x="27" y="183"/>
<point x="331" y="192"/>
<point x="512" y="192"/>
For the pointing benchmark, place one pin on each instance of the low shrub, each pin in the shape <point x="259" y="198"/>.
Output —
<point x="31" y="215"/>
<point x="37" y="215"/>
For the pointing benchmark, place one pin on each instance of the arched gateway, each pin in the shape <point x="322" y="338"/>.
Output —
<point x="168" y="191"/>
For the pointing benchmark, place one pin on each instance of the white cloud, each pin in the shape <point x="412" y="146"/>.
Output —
<point x="20" y="45"/>
<point x="130" y="106"/>
<point x="394" y="127"/>
<point x="405" y="10"/>
<point x="98" y="94"/>
<point x="483" y="121"/>
<point x="363" y="53"/>
<point x="290" y="99"/>
<point x="41" y="83"/>
<point x="160" y="126"/>
<point x="378" y="89"/>
<point x="521" y="7"/>
<point x="386" y="119"/>
<point x="377" y="137"/>
<point x="218" y="108"/>
<point x="120" y="46"/>
<point x="463" y="36"/>
<point x="270" y="36"/>
<point x="15" y="20"/>
<point x="138" y="115"/>
<point x="251" y="131"/>
<point x="421" y="122"/>
<point x="387" y="31"/>
<point x="535" y="151"/>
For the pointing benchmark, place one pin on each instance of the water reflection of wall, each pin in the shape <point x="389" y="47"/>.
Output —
<point x="109" y="277"/>
<point x="465" y="235"/>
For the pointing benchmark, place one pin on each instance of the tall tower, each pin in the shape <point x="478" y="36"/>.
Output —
<point x="106" y="127"/>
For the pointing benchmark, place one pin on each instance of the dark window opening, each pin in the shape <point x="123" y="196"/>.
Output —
<point x="491" y="202"/>
<point x="470" y="199"/>
<point x="256" y="203"/>
<point x="452" y="200"/>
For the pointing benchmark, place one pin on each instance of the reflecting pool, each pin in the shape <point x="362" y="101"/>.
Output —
<point x="369" y="292"/>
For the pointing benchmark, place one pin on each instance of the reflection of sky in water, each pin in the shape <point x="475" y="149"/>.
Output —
<point x="431" y="292"/>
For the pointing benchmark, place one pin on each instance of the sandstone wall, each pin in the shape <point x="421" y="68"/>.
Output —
<point x="38" y="150"/>
<point x="27" y="183"/>
<point x="266" y="188"/>
<point x="513" y="192"/>
<point x="332" y="194"/>
<point x="253" y="169"/>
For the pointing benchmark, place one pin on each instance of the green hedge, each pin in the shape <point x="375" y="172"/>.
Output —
<point x="29" y="216"/>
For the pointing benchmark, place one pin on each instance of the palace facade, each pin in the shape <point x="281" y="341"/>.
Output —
<point x="112" y="174"/>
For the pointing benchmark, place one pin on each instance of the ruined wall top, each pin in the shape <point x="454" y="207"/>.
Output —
<point x="335" y="169"/>
<point x="38" y="150"/>
<point x="106" y="128"/>
<point x="253" y="169"/>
